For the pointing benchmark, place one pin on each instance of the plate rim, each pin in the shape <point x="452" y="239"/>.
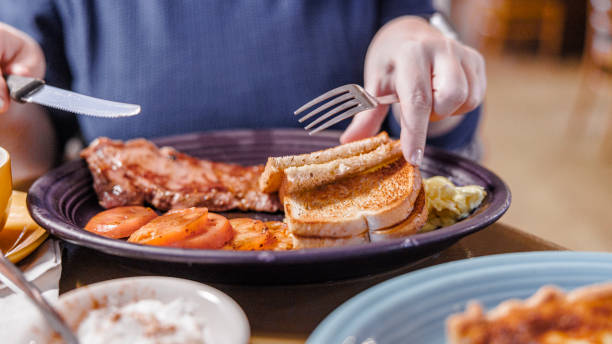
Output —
<point x="405" y="282"/>
<point x="36" y="204"/>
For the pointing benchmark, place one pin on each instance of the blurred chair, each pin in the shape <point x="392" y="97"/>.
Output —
<point x="519" y="22"/>
<point x="596" y="68"/>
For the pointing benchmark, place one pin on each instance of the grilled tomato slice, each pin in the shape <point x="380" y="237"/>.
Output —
<point x="217" y="233"/>
<point x="172" y="227"/>
<point x="186" y="228"/>
<point x="120" y="222"/>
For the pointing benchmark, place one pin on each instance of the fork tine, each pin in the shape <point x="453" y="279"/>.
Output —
<point x="337" y="109"/>
<point x="336" y="91"/>
<point x="340" y="118"/>
<point x="327" y="105"/>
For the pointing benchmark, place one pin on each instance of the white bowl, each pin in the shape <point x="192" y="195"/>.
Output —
<point x="225" y="322"/>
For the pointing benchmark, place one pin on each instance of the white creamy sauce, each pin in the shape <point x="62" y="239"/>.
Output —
<point x="143" y="322"/>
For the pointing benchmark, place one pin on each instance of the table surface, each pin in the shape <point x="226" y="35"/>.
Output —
<point x="289" y="313"/>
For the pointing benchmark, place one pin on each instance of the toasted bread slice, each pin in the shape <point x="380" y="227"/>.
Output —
<point x="274" y="171"/>
<point x="310" y="176"/>
<point x="348" y="207"/>
<point x="409" y="226"/>
<point x="300" y="242"/>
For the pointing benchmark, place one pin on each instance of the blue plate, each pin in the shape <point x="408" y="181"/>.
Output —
<point x="413" y="308"/>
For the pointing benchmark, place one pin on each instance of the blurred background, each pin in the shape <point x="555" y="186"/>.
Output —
<point x="547" y="127"/>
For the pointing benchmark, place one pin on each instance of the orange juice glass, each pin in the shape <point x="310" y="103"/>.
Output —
<point x="6" y="187"/>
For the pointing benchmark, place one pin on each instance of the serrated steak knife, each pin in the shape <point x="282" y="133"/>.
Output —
<point x="31" y="90"/>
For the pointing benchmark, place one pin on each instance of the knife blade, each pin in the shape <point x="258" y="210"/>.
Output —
<point x="32" y="90"/>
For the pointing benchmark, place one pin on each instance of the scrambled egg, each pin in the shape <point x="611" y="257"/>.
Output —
<point x="448" y="203"/>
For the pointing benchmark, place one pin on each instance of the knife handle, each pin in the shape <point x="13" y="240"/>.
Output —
<point x="20" y="86"/>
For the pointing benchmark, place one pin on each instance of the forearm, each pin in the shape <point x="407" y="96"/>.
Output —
<point x="26" y="132"/>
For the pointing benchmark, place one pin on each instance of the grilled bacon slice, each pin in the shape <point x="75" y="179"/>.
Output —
<point x="137" y="172"/>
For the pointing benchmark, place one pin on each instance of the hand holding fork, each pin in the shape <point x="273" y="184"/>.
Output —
<point x="432" y="77"/>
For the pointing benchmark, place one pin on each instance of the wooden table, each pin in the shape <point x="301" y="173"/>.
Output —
<point x="288" y="314"/>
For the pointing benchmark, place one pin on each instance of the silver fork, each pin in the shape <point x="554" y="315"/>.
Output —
<point x="348" y="100"/>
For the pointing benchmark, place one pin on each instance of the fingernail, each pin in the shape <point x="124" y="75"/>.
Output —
<point x="416" y="157"/>
<point x="1" y="103"/>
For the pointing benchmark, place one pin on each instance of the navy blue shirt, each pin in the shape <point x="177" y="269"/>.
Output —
<point x="198" y="65"/>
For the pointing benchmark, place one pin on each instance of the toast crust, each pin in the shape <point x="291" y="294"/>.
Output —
<point x="589" y="309"/>
<point x="274" y="171"/>
<point x="409" y="226"/>
<point x="301" y="242"/>
<point x="365" y="202"/>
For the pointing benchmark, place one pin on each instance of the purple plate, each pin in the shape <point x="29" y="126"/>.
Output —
<point x="63" y="200"/>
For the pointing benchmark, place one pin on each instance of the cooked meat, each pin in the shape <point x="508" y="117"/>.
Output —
<point x="136" y="171"/>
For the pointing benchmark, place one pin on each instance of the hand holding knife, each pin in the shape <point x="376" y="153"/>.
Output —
<point x="31" y="90"/>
